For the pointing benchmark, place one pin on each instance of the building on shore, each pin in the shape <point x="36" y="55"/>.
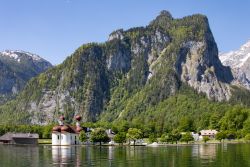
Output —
<point x="209" y="133"/>
<point x="65" y="134"/>
<point x="19" y="138"/>
<point x="196" y="136"/>
<point x="111" y="136"/>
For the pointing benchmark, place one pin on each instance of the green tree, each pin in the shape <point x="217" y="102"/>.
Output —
<point x="152" y="138"/>
<point x="83" y="136"/>
<point x="122" y="126"/>
<point x="134" y="134"/>
<point x="220" y="136"/>
<point x="175" y="136"/>
<point x="114" y="129"/>
<point x="241" y="134"/>
<point x="231" y="134"/>
<point x="120" y="137"/>
<point x="164" y="138"/>
<point x="187" y="137"/>
<point x="46" y="134"/>
<point x="205" y="139"/>
<point x="186" y="124"/>
<point x="99" y="135"/>
<point x="247" y="137"/>
<point x="214" y="121"/>
<point x="234" y="119"/>
<point x="246" y="125"/>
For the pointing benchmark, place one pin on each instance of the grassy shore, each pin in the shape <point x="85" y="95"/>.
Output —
<point x="44" y="141"/>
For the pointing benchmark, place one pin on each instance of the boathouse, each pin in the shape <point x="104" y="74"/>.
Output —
<point x="19" y="138"/>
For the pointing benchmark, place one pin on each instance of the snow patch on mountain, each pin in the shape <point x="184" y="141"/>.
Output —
<point x="236" y="59"/>
<point x="239" y="61"/>
<point x="17" y="54"/>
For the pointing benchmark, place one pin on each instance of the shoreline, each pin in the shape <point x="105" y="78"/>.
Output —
<point x="212" y="142"/>
<point x="142" y="145"/>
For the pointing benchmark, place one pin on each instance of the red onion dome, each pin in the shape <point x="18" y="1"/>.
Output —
<point x="62" y="118"/>
<point x="78" y="118"/>
<point x="79" y="129"/>
<point x="56" y="129"/>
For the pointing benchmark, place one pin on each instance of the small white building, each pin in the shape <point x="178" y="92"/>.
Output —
<point x="209" y="133"/>
<point x="66" y="134"/>
<point x="111" y="135"/>
<point x="195" y="136"/>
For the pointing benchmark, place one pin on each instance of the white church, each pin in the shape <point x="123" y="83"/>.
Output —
<point x="65" y="134"/>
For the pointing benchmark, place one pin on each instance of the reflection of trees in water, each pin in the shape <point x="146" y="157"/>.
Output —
<point x="233" y="155"/>
<point x="14" y="155"/>
<point x="179" y="156"/>
<point x="192" y="155"/>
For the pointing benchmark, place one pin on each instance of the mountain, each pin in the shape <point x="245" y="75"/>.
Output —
<point x="158" y="72"/>
<point x="17" y="67"/>
<point x="239" y="61"/>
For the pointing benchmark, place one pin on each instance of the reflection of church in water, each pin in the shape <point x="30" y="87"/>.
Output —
<point x="65" y="156"/>
<point x="82" y="156"/>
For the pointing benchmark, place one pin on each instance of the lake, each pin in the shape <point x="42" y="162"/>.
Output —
<point x="209" y="155"/>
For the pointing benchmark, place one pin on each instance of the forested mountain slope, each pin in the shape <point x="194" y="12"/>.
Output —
<point x="163" y="71"/>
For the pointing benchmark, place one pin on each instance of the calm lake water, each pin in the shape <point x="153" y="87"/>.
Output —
<point x="225" y="155"/>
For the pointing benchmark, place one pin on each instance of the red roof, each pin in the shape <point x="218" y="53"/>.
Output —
<point x="67" y="128"/>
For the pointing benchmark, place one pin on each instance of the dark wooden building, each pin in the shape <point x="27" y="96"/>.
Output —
<point x="19" y="138"/>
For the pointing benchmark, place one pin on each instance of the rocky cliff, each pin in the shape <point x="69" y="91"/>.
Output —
<point x="133" y="70"/>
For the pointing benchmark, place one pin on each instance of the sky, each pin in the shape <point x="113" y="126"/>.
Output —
<point x="54" y="29"/>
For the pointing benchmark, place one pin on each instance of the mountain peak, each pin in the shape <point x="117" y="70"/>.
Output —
<point x="239" y="61"/>
<point x="245" y="46"/>
<point x="17" y="67"/>
<point x="166" y="14"/>
<point x="163" y="19"/>
<point x="17" y="54"/>
<point x="236" y="59"/>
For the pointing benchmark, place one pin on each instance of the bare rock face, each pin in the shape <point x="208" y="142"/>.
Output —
<point x="119" y="59"/>
<point x="50" y="106"/>
<point x="118" y="34"/>
<point x="199" y="69"/>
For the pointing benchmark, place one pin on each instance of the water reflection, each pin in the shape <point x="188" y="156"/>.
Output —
<point x="145" y="156"/>
<point x="65" y="156"/>
<point x="205" y="151"/>
<point x="110" y="154"/>
<point x="207" y="155"/>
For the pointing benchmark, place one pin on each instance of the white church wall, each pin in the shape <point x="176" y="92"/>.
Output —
<point x="56" y="139"/>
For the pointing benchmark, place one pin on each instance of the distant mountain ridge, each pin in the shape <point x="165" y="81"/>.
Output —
<point x="239" y="61"/>
<point x="17" y="67"/>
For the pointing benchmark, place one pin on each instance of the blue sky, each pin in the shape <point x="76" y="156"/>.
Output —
<point x="53" y="29"/>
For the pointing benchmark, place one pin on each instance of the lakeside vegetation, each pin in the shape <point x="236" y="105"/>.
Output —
<point x="185" y="112"/>
<point x="125" y="135"/>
